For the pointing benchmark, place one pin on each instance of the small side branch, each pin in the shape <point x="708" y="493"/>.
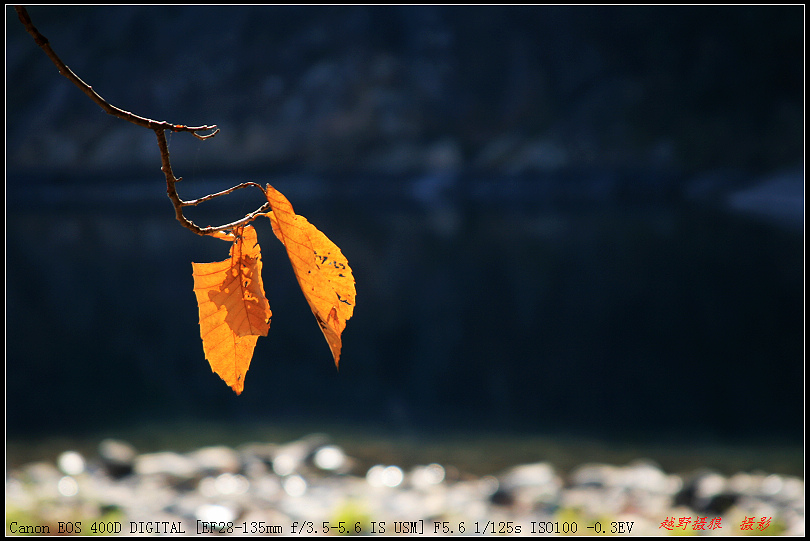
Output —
<point x="195" y="202"/>
<point x="159" y="127"/>
<point x="179" y="204"/>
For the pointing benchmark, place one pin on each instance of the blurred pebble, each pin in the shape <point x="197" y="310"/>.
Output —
<point x="384" y="476"/>
<point x="538" y="474"/>
<point x="215" y="514"/>
<point x="331" y="458"/>
<point x="215" y="460"/>
<point x="165" y="463"/>
<point x="706" y="492"/>
<point x="528" y="487"/>
<point x="295" y="486"/>
<point x="71" y="463"/>
<point x="41" y="472"/>
<point x="424" y="477"/>
<point x="595" y="475"/>
<point x="117" y="457"/>
<point x="67" y="486"/>
<point x="292" y="457"/>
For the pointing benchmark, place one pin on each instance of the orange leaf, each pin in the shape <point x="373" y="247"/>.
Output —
<point x="321" y="269"/>
<point x="233" y="309"/>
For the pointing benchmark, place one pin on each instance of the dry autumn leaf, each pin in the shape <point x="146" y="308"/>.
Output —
<point x="320" y="268"/>
<point x="233" y="309"/>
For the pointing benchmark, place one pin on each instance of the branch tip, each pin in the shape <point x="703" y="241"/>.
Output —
<point x="204" y="137"/>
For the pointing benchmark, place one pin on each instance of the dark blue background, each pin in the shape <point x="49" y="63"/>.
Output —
<point x="541" y="207"/>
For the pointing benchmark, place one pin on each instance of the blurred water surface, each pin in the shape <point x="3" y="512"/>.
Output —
<point x="493" y="304"/>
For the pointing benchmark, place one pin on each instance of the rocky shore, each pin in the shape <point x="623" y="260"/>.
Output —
<point x="312" y="486"/>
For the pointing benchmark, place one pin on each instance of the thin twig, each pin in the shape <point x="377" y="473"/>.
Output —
<point x="159" y="127"/>
<point x="45" y="45"/>
<point x="195" y="202"/>
<point x="171" y="191"/>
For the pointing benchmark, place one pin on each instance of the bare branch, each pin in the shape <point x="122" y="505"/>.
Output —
<point x="159" y="127"/>
<point x="45" y="45"/>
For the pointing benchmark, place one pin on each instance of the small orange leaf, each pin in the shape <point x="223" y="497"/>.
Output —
<point x="233" y="309"/>
<point x="323" y="273"/>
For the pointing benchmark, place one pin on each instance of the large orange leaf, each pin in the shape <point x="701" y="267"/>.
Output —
<point x="321" y="269"/>
<point x="233" y="309"/>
